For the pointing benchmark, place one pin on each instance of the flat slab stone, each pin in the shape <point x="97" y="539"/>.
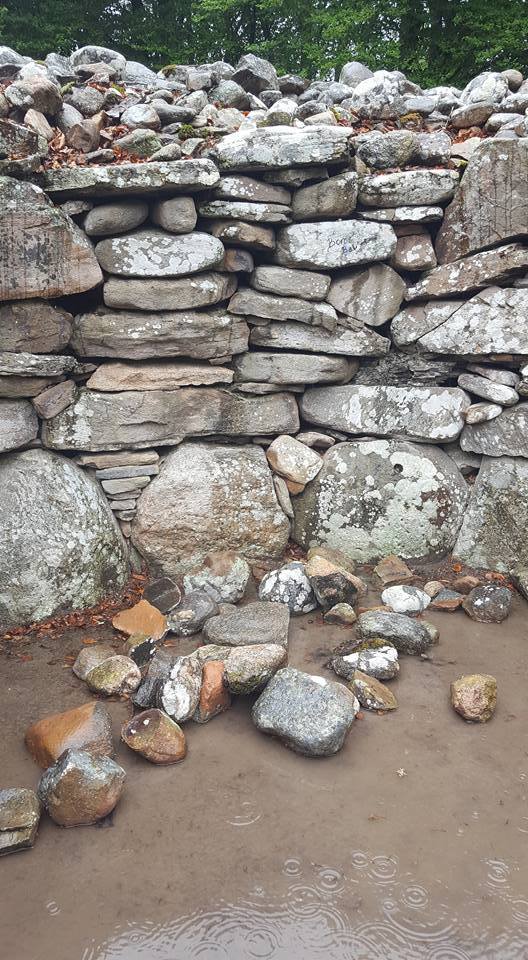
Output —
<point x="414" y="413"/>
<point x="152" y="253"/>
<point x="287" y="335"/>
<point x="257" y="622"/>
<point x="472" y="273"/>
<point x="284" y="282"/>
<point x="246" y="188"/>
<point x="112" y="421"/>
<point x="408" y="188"/>
<point x="36" y="365"/>
<point x="128" y="335"/>
<point x="252" y="303"/>
<point x="281" y="147"/>
<point x="114" y="377"/>
<point x="504" y="436"/>
<point x="493" y="532"/>
<point x="329" y="245"/>
<point x="245" y="210"/>
<point x="292" y="368"/>
<point x="236" y="509"/>
<point x="403" y="216"/>
<point x="19" y="819"/>
<point x="178" y="176"/>
<point x="373" y="498"/>
<point x="184" y="293"/>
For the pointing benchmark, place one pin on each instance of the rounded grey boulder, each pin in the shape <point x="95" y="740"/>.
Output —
<point x="60" y="547"/>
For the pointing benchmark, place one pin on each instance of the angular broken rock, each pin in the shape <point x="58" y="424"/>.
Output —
<point x="405" y="599"/>
<point x="249" y="668"/>
<point x="224" y="577"/>
<point x="143" y="617"/>
<point x="155" y="736"/>
<point x="488" y="604"/>
<point x="376" y="497"/>
<point x="259" y="622"/>
<point x="88" y="728"/>
<point x="408" y="188"/>
<point x="237" y="509"/>
<point x="19" y="819"/>
<point x="53" y="400"/>
<point x="18" y="424"/>
<point x="176" y="293"/>
<point x="139" y="647"/>
<point x="493" y="529"/>
<point x="281" y="147"/>
<point x="180" y="694"/>
<point x="407" y="635"/>
<point x="214" y="695"/>
<point x="490" y="203"/>
<point x="414" y="413"/>
<point x="331" y="584"/>
<point x="375" y="658"/>
<point x="505" y="436"/>
<point x="342" y="614"/>
<point x="81" y="789"/>
<point x="201" y="335"/>
<point x="372" y="694"/>
<point x="292" y="369"/>
<point x="152" y="253"/>
<point x="293" y="460"/>
<point x="370" y="296"/>
<point x="474" y="697"/>
<point x="482" y="412"/>
<point x="310" y="714"/>
<point x="251" y="303"/>
<point x="472" y="273"/>
<point x="329" y="245"/>
<point x="290" y="586"/>
<point x="43" y="253"/>
<point x="189" y="616"/>
<point x="447" y="600"/>
<point x="34" y="326"/>
<point x="242" y="234"/>
<point x="117" y="675"/>
<point x="286" y="335"/>
<point x="393" y="570"/>
<point x="129" y="178"/>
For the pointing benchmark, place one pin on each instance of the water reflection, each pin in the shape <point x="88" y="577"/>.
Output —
<point x="370" y="911"/>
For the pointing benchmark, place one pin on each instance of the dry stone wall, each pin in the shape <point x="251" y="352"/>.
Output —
<point x="306" y="331"/>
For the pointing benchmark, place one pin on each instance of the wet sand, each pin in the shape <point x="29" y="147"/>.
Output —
<point x="246" y="850"/>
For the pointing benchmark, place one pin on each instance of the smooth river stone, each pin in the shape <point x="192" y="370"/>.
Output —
<point x="152" y="253"/>
<point x="286" y="335"/>
<point x="114" y="421"/>
<point x="185" y="293"/>
<point x="187" y="176"/>
<point x="292" y="368"/>
<point x="281" y="147"/>
<point x="114" y="377"/>
<point x="329" y="245"/>
<point x="408" y="188"/>
<point x="434" y="414"/>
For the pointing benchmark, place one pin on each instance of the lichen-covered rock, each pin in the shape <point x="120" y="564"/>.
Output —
<point x="61" y="547"/>
<point x="117" y="675"/>
<point x="42" y="252"/>
<point x="504" y="436"/>
<point x="81" y="789"/>
<point x="179" y="695"/>
<point x="492" y="534"/>
<point x="311" y="715"/>
<point x="249" y="668"/>
<point x="281" y="147"/>
<point x="407" y="635"/>
<point x="474" y="697"/>
<point x="190" y="176"/>
<point x="405" y="599"/>
<point x="88" y="728"/>
<point x="224" y="576"/>
<point x="286" y="335"/>
<point x="155" y="736"/>
<point x="19" y="819"/>
<point x="371" y="693"/>
<point x="258" y="622"/>
<point x="330" y="244"/>
<point x="152" y="253"/>
<point x="413" y="413"/>
<point x="488" y="604"/>
<point x="375" y="658"/>
<point x="407" y="188"/>
<point x="18" y="424"/>
<point x="289" y="585"/>
<point x="290" y="369"/>
<point x="189" y="616"/>
<point x="377" y="497"/>
<point x="331" y="584"/>
<point x="236" y="509"/>
<point x="472" y="273"/>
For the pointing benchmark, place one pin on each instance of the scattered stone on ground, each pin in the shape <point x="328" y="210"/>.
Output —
<point x="19" y="819"/>
<point x="405" y="599"/>
<point x="214" y="696"/>
<point x="162" y="593"/>
<point x="87" y="728"/>
<point x="116" y="676"/>
<point x="140" y="648"/>
<point x="447" y="600"/>
<point x="341" y="613"/>
<point x="224" y="576"/>
<point x="155" y="736"/>
<point x="91" y="656"/>
<point x="377" y="658"/>
<point x="259" y="622"/>
<point x="488" y="604"/>
<point x="372" y="694"/>
<point x="249" y="668"/>
<point x="474" y="697"/>
<point x="179" y="695"/>
<point x="407" y="635"/>
<point x="80" y="788"/>
<point x="331" y="584"/>
<point x="194" y="609"/>
<point x="289" y="585"/>
<point x="141" y="618"/>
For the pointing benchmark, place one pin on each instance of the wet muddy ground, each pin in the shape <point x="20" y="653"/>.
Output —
<point x="410" y="844"/>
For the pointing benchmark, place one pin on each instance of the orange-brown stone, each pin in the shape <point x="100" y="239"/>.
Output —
<point x="155" y="736"/>
<point x="84" y="728"/>
<point x="141" y="618"/>
<point x="214" y="697"/>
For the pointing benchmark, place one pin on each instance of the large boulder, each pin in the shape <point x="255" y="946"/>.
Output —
<point x="209" y="497"/>
<point x="60" y="546"/>
<point x="490" y="205"/>
<point x="493" y="532"/>
<point x="377" y="497"/>
<point x="42" y="252"/>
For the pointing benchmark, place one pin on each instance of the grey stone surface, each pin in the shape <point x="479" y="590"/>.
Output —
<point x="377" y="497"/>
<point x="131" y="420"/>
<point x="257" y="622"/>
<point x="331" y="244"/>
<point x="179" y="695"/>
<point x="379" y="661"/>
<point x="253" y="303"/>
<point x="34" y="326"/>
<point x="19" y="819"/>
<point x="255" y="74"/>
<point x="38" y="365"/>
<point x="61" y="547"/>
<point x="292" y="368"/>
<point x="284" y="282"/>
<point x="472" y="273"/>
<point x="246" y="210"/>
<point x="287" y="335"/>
<point x="110" y="218"/>
<point x="280" y="148"/>
<point x="335" y="197"/>
<point x="188" y="176"/>
<point x="191" y="613"/>
<point x="156" y="375"/>
<point x="131" y="335"/>
<point x="403" y="216"/>
<point x="504" y="436"/>
<point x="152" y="253"/>
<point x="482" y="387"/>
<point x="250" y="235"/>
<point x="249" y="668"/>
<point x="237" y="508"/>
<point x="290" y="586"/>
<point x="183" y="293"/>
<point x="246" y="188"/>
<point x="224" y="577"/>
<point x="18" y="424"/>
<point x="433" y="414"/>
<point x="408" y="188"/>
<point x="493" y="529"/>
<point x="310" y="714"/>
<point x="408" y="635"/>
<point x="371" y="296"/>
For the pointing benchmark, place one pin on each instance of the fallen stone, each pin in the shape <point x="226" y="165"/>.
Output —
<point x="90" y="657"/>
<point x="331" y="584"/>
<point x="214" y="696"/>
<point x="393" y="570"/>
<point x="180" y="694"/>
<point x="281" y="281"/>
<point x="86" y="728"/>
<point x="482" y="387"/>
<point x="139" y="647"/>
<point x="289" y="585"/>
<point x="81" y="789"/>
<point x="372" y="694"/>
<point x="474" y="697"/>
<point x="155" y="736"/>
<point x="447" y="600"/>
<point x="504" y="436"/>
<point x="237" y="509"/>
<point x="471" y="274"/>
<point x="151" y="253"/>
<point x="250" y="668"/>
<point x="370" y="296"/>
<point x="375" y="658"/>
<point x="259" y="622"/>
<point x="189" y="176"/>
<point x="280" y="148"/>
<point x="224" y="576"/>
<point x="405" y="599"/>
<point x="110" y="218"/>
<point x="414" y="413"/>
<point x="191" y="613"/>
<point x="158" y="294"/>
<point x="34" y="326"/>
<point x="407" y="188"/>
<point x="116" y="675"/>
<point x="329" y="245"/>
<point x="408" y="635"/>
<point x="288" y="369"/>
<point x="19" y="819"/>
<point x="293" y="460"/>
<point x="342" y="614"/>
<point x="44" y="254"/>
<point x="488" y="604"/>
<point x="18" y="424"/>
<point x="52" y="559"/>
<point x="311" y="715"/>
<point x="286" y="335"/>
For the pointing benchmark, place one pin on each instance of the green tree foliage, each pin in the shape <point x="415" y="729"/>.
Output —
<point x="432" y="41"/>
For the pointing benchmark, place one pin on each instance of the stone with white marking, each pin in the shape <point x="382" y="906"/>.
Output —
<point x="152" y="253"/>
<point x="289" y="585"/>
<point x="405" y="599"/>
<point x="329" y="245"/>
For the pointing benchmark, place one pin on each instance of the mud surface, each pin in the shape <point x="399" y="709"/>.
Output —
<point x="411" y="844"/>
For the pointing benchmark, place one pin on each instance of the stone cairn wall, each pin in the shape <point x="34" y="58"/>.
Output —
<point x="238" y="308"/>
